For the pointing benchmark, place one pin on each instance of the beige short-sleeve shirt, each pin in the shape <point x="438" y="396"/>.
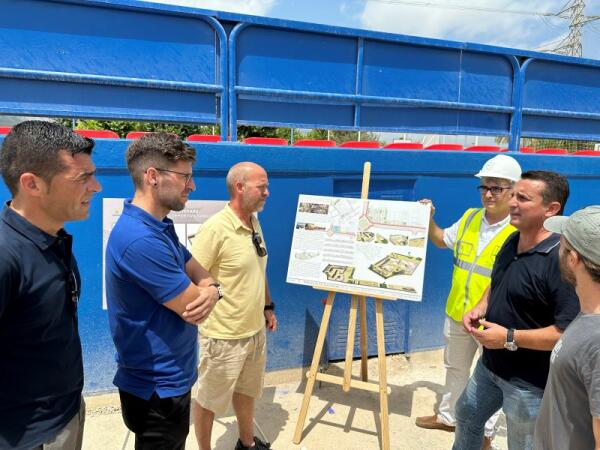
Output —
<point x="223" y="246"/>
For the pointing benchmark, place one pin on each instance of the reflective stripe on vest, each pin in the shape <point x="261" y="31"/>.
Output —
<point x="472" y="272"/>
<point x="473" y="267"/>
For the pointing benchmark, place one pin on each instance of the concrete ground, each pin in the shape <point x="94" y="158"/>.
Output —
<point x="336" y="420"/>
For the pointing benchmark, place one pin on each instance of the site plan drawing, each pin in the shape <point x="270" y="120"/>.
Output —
<point x="368" y="247"/>
<point x="186" y="222"/>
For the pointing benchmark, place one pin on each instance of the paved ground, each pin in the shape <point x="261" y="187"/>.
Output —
<point x="336" y="420"/>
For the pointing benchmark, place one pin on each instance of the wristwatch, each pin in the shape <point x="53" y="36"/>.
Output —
<point x="219" y="289"/>
<point x="510" y="343"/>
<point x="270" y="307"/>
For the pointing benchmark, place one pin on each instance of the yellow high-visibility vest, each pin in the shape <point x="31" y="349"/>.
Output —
<point x="472" y="273"/>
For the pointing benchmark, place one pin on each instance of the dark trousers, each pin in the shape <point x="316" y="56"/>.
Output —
<point x="158" y="423"/>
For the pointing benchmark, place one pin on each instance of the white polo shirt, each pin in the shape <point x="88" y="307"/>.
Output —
<point x="487" y="232"/>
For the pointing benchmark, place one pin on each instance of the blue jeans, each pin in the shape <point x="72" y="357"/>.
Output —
<point x="484" y="395"/>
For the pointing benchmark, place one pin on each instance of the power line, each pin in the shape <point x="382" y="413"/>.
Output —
<point x="572" y="10"/>
<point x="464" y="7"/>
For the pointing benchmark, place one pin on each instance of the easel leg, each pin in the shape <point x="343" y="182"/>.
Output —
<point x="314" y="367"/>
<point x="383" y="399"/>
<point x="364" y="371"/>
<point x="350" y="343"/>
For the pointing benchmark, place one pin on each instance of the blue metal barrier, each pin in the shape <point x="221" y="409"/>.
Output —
<point x="132" y="60"/>
<point x="86" y="59"/>
<point x="174" y="64"/>
<point x="445" y="177"/>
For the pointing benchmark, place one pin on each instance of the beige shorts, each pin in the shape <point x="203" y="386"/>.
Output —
<point x="228" y="366"/>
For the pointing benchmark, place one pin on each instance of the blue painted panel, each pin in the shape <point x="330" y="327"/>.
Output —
<point x="306" y="81"/>
<point x="82" y="60"/>
<point x="561" y="100"/>
<point x="401" y="70"/>
<point x="52" y="98"/>
<point x="407" y="118"/>
<point x="561" y="127"/>
<point x="486" y="79"/>
<point x="434" y="120"/>
<point x="293" y="60"/>
<point x="564" y="87"/>
<point x="278" y="111"/>
<point x="472" y="122"/>
<point x="89" y="40"/>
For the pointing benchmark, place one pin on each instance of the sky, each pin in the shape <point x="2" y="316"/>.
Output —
<point x="499" y="27"/>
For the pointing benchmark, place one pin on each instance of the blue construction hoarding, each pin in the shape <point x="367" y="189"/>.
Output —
<point x="162" y="63"/>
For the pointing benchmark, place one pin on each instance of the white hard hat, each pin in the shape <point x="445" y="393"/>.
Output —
<point x="501" y="166"/>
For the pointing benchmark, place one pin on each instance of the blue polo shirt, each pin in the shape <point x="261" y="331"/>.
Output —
<point x="145" y="267"/>
<point x="41" y="374"/>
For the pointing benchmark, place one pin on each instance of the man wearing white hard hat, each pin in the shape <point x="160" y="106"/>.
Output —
<point x="570" y="412"/>
<point x="519" y="319"/>
<point x="475" y="239"/>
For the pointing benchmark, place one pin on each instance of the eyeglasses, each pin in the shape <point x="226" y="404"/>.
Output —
<point x="495" y="190"/>
<point x="188" y="176"/>
<point x="74" y="288"/>
<point x="257" y="240"/>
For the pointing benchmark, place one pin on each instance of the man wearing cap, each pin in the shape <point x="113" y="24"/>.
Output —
<point x="519" y="319"/>
<point x="570" y="412"/>
<point x="475" y="239"/>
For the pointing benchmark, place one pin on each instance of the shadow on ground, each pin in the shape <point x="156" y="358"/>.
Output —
<point x="269" y="416"/>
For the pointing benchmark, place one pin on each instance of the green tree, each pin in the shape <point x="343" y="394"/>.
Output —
<point x="122" y="127"/>
<point x="245" y="131"/>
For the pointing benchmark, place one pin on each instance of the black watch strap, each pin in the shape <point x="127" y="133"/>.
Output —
<point x="270" y="307"/>
<point x="510" y="335"/>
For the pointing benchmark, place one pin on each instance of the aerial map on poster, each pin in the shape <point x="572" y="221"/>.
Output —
<point x="186" y="222"/>
<point x="368" y="247"/>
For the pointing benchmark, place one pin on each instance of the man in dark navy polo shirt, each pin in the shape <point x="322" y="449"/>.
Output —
<point x="156" y="293"/>
<point x="519" y="319"/>
<point x="50" y="175"/>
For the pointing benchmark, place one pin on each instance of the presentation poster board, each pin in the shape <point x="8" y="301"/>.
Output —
<point x="369" y="247"/>
<point x="186" y="222"/>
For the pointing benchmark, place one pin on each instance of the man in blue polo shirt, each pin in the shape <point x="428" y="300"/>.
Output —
<point x="157" y="293"/>
<point x="50" y="175"/>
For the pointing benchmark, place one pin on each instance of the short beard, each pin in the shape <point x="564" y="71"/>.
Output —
<point x="173" y="204"/>
<point x="566" y="274"/>
<point x="251" y="208"/>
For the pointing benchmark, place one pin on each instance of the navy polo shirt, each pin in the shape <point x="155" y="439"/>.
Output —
<point x="527" y="292"/>
<point x="41" y="375"/>
<point x="157" y="351"/>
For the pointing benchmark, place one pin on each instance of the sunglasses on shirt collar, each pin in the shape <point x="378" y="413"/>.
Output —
<point x="257" y="241"/>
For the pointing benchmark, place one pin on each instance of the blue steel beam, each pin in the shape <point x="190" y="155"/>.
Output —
<point x="122" y="54"/>
<point x="360" y="57"/>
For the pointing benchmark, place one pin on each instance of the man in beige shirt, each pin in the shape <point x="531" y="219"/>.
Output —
<point x="230" y="245"/>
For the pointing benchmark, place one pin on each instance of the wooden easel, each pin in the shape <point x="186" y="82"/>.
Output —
<point x="346" y="381"/>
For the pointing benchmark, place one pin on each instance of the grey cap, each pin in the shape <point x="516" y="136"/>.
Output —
<point x="581" y="229"/>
